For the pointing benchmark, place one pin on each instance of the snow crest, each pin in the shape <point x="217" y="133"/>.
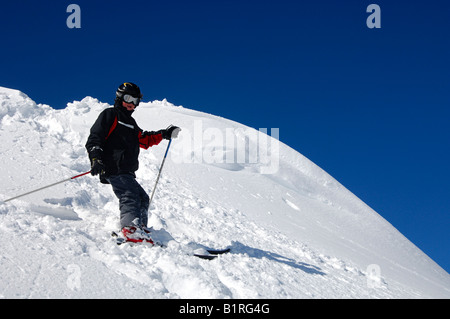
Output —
<point x="294" y="231"/>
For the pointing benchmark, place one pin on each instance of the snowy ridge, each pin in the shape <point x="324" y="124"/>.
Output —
<point x="294" y="232"/>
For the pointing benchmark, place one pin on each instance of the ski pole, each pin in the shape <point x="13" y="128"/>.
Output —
<point x="39" y="189"/>
<point x="159" y="174"/>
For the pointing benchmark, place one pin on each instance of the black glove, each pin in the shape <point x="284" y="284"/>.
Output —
<point x="95" y="155"/>
<point x="170" y="132"/>
<point x="97" y="167"/>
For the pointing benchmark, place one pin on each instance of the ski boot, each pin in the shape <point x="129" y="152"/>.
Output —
<point x="137" y="235"/>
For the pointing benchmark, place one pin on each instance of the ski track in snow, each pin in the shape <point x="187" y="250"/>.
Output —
<point x="293" y="234"/>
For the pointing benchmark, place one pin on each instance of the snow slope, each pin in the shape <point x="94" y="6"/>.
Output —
<point x="294" y="231"/>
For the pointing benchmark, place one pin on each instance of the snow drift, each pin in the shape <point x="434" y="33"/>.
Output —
<point x="294" y="231"/>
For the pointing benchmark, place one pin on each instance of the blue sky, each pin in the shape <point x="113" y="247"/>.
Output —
<point x="369" y="106"/>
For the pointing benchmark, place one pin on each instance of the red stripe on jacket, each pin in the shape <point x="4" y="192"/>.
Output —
<point x="146" y="141"/>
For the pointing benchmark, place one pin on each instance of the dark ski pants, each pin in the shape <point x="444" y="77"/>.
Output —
<point x="133" y="200"/>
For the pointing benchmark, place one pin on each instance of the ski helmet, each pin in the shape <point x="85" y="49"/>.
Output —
<point x="128" y="89"/>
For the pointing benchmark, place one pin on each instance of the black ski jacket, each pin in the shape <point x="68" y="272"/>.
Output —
<point x="115" y="138"/>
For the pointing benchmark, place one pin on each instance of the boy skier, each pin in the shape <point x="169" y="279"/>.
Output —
<point x="113" y="147"/>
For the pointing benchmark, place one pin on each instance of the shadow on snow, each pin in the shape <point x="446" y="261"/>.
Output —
<point x="239" y="248"/>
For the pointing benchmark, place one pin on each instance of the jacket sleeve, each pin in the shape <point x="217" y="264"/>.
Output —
<point x="148" y="139"/>
<point x="100" y="132"/>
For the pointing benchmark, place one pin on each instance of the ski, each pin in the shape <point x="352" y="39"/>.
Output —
<point x="207" y="257"/>
<point x="218" y="251"/>
<point x="212" y="253"/>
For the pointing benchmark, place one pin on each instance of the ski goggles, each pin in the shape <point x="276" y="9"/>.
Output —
<point x="131" y="99"/>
